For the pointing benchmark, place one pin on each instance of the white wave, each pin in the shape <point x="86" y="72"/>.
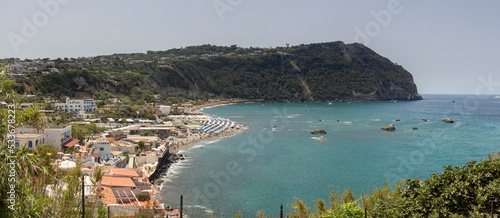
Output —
<point x="206" y="209"/>
<point x="293" y="116"/>
<point x="200" y="144"/>
<point x="216" y="106"/>
<point x="321" y="138"/>
<point x="174" y="169"/>
<point x="235" y="116"/>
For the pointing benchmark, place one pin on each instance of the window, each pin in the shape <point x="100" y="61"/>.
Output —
<point x="30" y="144"/>
<point x="101" y="149"/>
<point x="17" y="144"/>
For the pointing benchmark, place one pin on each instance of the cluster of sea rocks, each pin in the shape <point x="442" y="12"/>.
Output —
<point x="176" y="157"/>
<point x="385" y="128"/>
<point x="393" y="128"/>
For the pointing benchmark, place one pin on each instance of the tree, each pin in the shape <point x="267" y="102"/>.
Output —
<point x="141" y="144"/>
<point x="100" y="104"/>
<point x="32" y="117"/>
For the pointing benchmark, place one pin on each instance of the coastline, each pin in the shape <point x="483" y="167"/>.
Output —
<point x="189" y="142"/>
<point x="192" y="139"/>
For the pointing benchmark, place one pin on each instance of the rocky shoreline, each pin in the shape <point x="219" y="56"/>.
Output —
<point x="173" y="158"/>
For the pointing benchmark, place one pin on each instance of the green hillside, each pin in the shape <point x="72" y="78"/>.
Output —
<point x="331" y="71"/>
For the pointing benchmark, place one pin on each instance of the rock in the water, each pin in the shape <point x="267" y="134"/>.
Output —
<point x="318" y="131"/>
<point x="415" y="128"/>
<point x="397" y="120"/>
<point x="425" y="120"/>
<point x="388" y="128"/>
<point x="447" y="120"/>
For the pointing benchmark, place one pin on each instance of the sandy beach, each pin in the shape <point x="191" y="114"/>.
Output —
<point x="186" y="141"/>
<point x="179" y="144"/>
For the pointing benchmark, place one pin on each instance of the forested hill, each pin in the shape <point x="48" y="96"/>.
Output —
<point x="332" y="71"/>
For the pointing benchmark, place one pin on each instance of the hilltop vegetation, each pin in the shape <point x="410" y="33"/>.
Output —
<point x="331" y="71"/>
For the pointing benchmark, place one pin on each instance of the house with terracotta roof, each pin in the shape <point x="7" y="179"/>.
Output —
<point x="118" y="182"/>
<point x="125" y="189"/>
<point x="124" y="172"/>
<point x="24" y="106"/>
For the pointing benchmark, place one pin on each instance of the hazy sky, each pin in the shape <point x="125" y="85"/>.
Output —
<point x="448" y="46"/>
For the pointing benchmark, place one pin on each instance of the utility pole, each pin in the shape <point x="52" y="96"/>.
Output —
<point x="83" y="196"/>
<point x="181" y="206"/>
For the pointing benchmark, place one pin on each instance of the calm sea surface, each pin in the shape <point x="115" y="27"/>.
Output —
<point x="262" y="168"/>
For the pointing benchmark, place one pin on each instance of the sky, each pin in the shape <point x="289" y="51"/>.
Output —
<point x="449" y="46"/>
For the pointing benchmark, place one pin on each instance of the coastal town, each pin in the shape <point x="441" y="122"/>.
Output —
<point x="244" y="109"/>
<point x="131" y="152"/>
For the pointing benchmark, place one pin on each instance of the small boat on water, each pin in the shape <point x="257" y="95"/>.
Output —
<point x="274" y="129"/>
<point x="329" y="103"/>
<point x="498" y="96"/>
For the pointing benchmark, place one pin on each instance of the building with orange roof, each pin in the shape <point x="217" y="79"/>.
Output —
<point x="117" y="182"/>
<point x="124" y="172"/>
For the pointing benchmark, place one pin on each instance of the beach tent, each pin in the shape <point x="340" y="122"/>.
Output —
<point x="67" y="164"/>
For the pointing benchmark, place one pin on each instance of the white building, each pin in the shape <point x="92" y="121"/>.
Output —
<point x="60" y="137"/>
<point x="31" y="140"/>
<point x="103" y="148"/>
<point x="79" y="106"/>
<point x="165" y="110"/>
<point x="55" y="136"/>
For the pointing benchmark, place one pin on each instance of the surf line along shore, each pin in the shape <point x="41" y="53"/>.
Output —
<point x="213" y="127"/>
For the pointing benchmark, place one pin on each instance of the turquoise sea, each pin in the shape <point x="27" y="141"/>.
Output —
<point x="262" y="169"/>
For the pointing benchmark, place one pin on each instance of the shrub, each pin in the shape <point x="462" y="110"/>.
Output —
<point x="347" y="210"/>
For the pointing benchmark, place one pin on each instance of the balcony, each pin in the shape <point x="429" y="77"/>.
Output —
<point x="64" y="140"/>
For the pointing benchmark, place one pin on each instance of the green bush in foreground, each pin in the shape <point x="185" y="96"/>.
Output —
<point x="349" y="210"/>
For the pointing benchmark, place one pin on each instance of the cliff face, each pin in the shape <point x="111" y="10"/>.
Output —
<point x="332" y="71"/>
<point x="339" y="72"/>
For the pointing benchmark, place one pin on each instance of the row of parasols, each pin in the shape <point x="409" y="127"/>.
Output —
<point x="216" y="125"/>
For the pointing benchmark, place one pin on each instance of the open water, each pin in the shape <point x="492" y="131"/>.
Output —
<point x="263" y="168"/>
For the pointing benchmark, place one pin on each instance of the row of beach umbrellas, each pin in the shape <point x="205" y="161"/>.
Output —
<point x="216" y="125"/>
